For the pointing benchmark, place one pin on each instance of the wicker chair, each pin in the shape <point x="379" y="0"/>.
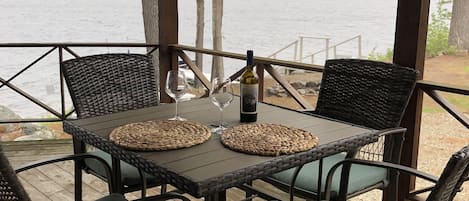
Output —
<point x="109" y="83"/>
<point x="367" y="93"/>
<point x="446" y="186"/>
<point x="12" y="190"/>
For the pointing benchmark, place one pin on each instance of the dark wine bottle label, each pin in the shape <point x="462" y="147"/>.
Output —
<point x="249" y="98"/>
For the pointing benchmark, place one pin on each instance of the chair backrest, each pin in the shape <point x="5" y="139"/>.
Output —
<point x="108" y="83"/>
<point x="10" y="187"/>
<point x="368" y="93"/>
<point x="452" y="177"/>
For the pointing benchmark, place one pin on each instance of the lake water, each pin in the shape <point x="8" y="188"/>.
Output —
<point x="262" y="25"/>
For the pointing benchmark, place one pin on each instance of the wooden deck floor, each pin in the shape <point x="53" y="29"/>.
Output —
<point x="55" y="182"/>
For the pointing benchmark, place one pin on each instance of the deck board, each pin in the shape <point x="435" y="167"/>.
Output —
<point x="55" y="182"/>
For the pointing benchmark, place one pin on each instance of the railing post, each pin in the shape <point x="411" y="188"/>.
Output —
<point x="260" y="73"/>
<point x="301" y="49"/>
<point x="62" y="94"/>
<point x="359" y="46"/>
<point x="334" y="48"/>
<point x="327" y="49"/>
<point x="295" y="51"/>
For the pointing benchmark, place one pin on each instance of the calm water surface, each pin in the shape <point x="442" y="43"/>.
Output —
<point x="262" y="25"/>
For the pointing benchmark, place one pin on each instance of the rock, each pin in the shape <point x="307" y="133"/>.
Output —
<point x="282" y="95"/>
<point x="39" y="131"/>
<point x="311" y="91"/>
<point x="298" y="85"/>
<point x="271" y="91"/>
<point x="28" y="138"/>
<point x="312" y="84"/>
<point x="7" y="114"/>
<point x="302" y="91"/>
<point x="11" y="135"/>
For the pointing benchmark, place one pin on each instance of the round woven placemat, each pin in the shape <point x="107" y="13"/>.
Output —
<point x="268" y="139"/>
<point x="160" y="135"/>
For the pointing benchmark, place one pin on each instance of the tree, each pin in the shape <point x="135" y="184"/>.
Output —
<point x="217" y="15"/>
<point x="199" y="41"/>
<point x="438" y="31"/>
<point x="459" y="27"/>
<point x="150" y="23"/>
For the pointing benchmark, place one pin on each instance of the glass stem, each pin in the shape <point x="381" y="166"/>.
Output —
<point x="220" y="124"/>
<point x="176" y="115"/>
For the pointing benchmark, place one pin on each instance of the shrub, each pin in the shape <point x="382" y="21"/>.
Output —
<point x="387" y="57"/>
<point x="437" y="36"/>
<point x="438" y="32"/>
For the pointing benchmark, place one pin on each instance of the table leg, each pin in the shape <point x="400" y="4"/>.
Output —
<point x="220" y="196"/>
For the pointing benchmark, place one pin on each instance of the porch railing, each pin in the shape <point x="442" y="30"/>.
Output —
<point x="430" y="88"/>
<point x="264" y="64"/>
<point x="61" y="48"/>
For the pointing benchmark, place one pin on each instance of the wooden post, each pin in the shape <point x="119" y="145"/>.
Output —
<point x="409" y="50"/>
<point x="260" y="73"/>
<point x="168" y="34"/>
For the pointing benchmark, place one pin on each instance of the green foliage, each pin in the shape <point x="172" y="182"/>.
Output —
<point x="466" y="68"/>
<point x="437" y="36"/>
<point x="438" y="32"/>
<point x="381" y="57"/>
<point x="460" y="101"/>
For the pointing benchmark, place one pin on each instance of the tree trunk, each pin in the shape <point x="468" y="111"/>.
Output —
<point x="459" y="29"/>
<point x="150" y="23"/>
<point x="199" y="41"/>
<point x="217" y="15"/>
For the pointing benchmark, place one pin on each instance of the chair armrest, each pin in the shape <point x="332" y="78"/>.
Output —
<point x="387" y="165"/>
<point x="59" y="159"/>
<point x="394" y="155"/>
<point x="307" y="110"/>
<point x="74" y="157"/>
<point x="392" y="131"/>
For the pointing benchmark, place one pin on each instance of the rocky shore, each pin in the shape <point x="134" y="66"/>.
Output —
<point x="26" y="131"/>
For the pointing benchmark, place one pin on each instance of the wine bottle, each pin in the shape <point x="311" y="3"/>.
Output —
<point x="249" y="87"/>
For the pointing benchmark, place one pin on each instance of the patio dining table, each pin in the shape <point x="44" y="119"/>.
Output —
<point x="209" y="169"/>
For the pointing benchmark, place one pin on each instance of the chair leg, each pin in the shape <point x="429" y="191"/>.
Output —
<point x="248" y="193"/>
<point x="164" y="189"/>
<point x="116" y="176"/>
<point x="144" y="183"/>
<point x="78" y="147"/>
<point x="390" y="192"/>
<point x="220" y="196"/>
<point x="78" y="182"/>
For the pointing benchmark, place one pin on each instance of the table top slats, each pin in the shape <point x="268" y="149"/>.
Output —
<point x="211" y="167"/>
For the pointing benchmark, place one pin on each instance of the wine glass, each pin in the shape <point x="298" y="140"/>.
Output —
<point x="176" y="86"/>
<point x="221" y="96"/>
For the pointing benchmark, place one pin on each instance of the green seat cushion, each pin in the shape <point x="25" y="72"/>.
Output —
<point x="113" y="197"/>
<point x="360" y="176"/>
<point x="130" y="175"/>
